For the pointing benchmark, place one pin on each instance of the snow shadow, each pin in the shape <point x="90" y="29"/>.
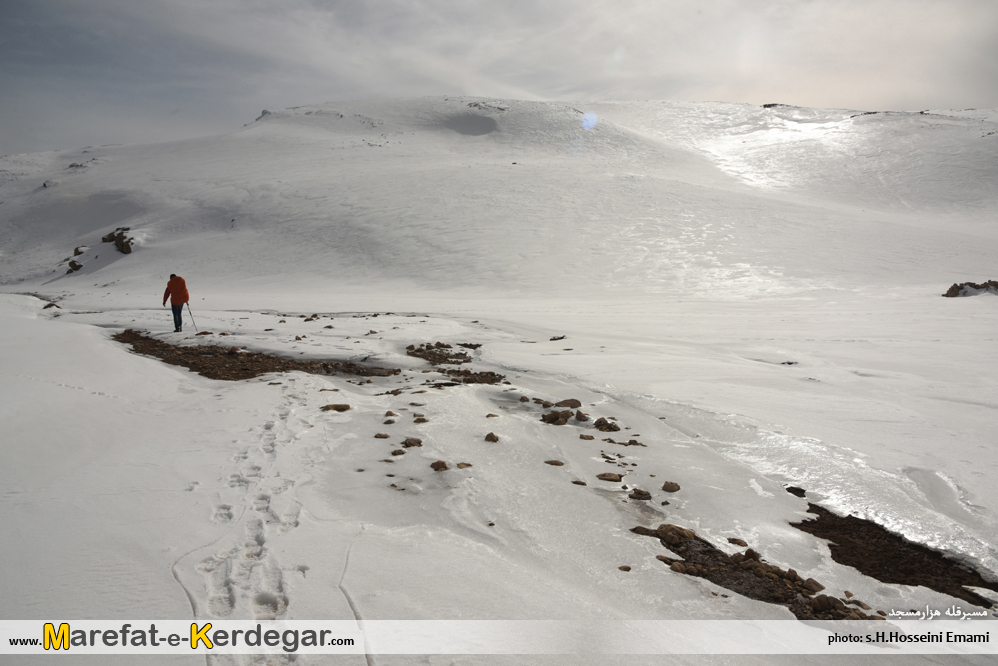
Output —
<point x="471" y="124"/>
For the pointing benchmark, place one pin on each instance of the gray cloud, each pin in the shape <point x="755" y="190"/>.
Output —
<point x="79" y="72"/>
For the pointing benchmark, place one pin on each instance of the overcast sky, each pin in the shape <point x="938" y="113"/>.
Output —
<point x="81" y="72"/>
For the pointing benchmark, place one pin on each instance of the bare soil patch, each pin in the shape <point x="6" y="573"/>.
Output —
<point x="234" y="364"/>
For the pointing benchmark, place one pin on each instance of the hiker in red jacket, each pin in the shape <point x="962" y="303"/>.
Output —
<point x="176" y="291"/>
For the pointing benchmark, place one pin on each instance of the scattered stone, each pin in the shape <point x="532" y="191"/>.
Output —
<point x="420" y="419"/>
<point x="794" y="490"/>
<point x="571" y="402"/>
<point x="51" y="305"/>
<point x="463" y="465"/>
<point x="388" y="421"/>
<point x="491" y="416"/>
<point x="390" y="413"/>
<point x="437" y="354"/>
<point x="398" y="452"/>
<point x="580" y="483"/>
<point x="491" y="437"/>
<point x="274" y="384"/>
<point x="738" y="542"/>
<point x="638" y="494"/>
<point x="121" y="242"/>
<point x="587" y="437"/>
<point x="579" y="416"/>
<point x="412" y="441"/>
<point x="557" y="418"/>
<point x="609" y="476"/>
<point x="603" y="425"/>
<point x="439" y="466"/>
<point x="556" y="463"/>
<point x="74" y="265"/>
<point x="381" y="435"/>
<point x="624" y="568"/>
<point x="524" y="398"/>
<point x="361" y="469"/>
<point x="78" y="251"/>
<point x="336" y="408"/>
<point x="670" y="487"/>
<point x="469" y="377"/>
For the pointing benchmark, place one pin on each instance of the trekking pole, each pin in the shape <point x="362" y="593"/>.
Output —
<point x="192" y="315"/>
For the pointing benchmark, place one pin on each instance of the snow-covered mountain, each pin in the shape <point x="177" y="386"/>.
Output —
<point x="753" y="291"/>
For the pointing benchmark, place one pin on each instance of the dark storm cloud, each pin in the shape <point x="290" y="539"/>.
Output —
<point x="78" y="72"/>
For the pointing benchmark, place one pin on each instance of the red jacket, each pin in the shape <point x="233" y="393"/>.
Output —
<point x="176" y="291"/>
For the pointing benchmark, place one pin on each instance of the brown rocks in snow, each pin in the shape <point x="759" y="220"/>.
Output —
<point x="557" y="418"/>
<point x="398" y="452"/>
<point x="624" y="568"/>
<point x="603" y="425"/>
<point x="738" y="542"/>
<point x="524" y="398"/>
<point x="580" y="483"/>
<point x="579" y="416"/>
<point x="638" y="494"/>
<point x="121" y="242"/>
<point x="78" y="251"/>
<point x="556" y="463"/>
<point x="419" y="419"/>
<point x="463" y="465"/>
<point x="412" y="441"/>
<point x="388" y="421"/>
<point x="439" y="466"/>
<point x="492" y="437"/>
<point x="335" y="408"/>
<point x="570" y="402"/>
<point x="390" y="413"/>
<point x="670" y="487"/>
<point x="970" y="288"/>
<point x="813" y="585"/>
<point x="491" y="416"/>
<point x="74" y="266"/>
<point x="586" y="437"/>
<point x="609" y="476"/>
<point x="678" y="567"/>
<point x="381" y="435"/>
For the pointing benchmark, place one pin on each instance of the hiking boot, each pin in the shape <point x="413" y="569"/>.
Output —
<point x="176" y="330"/>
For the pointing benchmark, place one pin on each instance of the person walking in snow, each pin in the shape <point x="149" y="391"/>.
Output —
<point x="176" y="291"/>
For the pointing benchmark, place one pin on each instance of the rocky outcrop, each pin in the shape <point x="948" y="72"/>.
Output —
<point x="972" y="288"/>
<point x="121" y="241"/>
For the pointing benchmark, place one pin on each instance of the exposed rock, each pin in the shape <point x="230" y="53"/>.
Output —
<point x="557" y="418"/>
<point x="492" y="437"/>
<point x="388" y="421"/>
<point x="556" y="463"/>
<point x="420" y="419"/>
<point x="580" y="483"/>
<point x="579" y="416"/>
<point x="609" y="476"/>
<point x="794" y="490"/>
<point x="381" y="435"/>
<point x="335" y="408"/>
<point x="469" y="377"/>
<point x="390" y="413"/>
<point x="524" y="398"/>
<point x="603" y="425"/>
<point x="570" y="402"/>
<point x="971" y="288"/>
<point x="638" y="494"/>
<point x="491" y="416"/>
<point x="624" y="568"/>
<point x="437" y="354"/>
<point x="74" y="265"/>
<point x="586" y="437"/>
<point x="120" y="240"/>
<point x="463" y="465"/>
<point x="439" y="466"/>
<point x="51" y="305"/>
<point x="670" y="487"/>
<point x="412" y="441"/>
<point x="80" y="250"/>
<point x="738" y="542"/>
<point x="398" y="452"/>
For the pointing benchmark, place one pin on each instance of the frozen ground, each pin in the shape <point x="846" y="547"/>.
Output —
<point x="686" y="251"/>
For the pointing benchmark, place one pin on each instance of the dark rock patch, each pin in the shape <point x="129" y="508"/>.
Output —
<point x="571" y="403"/>
<point x="747" y="574"/>
<point x="469" y="377"/>
<point x="889" y="558"/>
<point x="492" y="437"/>
<point x="439" y="466"/>
<point x="233" y="364"/>
<point x="603" y="425"/>
<point x="609" y="476"/>
<point x="794" y="490"/>
<point x="971" y="288"/>
<point x="438" y="353"/>
<point x="556" y="463"/>
<point x="670" y="487"/>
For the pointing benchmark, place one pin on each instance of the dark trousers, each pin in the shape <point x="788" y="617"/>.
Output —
<point x="178" y="315"/>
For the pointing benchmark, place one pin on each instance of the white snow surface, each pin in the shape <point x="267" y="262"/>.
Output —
<point x="688" y="252"/>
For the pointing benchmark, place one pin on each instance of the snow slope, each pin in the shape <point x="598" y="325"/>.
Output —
<point x="686" y="250"/>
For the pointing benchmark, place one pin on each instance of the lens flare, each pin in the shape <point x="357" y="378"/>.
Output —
<point x="589" y="120"/>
